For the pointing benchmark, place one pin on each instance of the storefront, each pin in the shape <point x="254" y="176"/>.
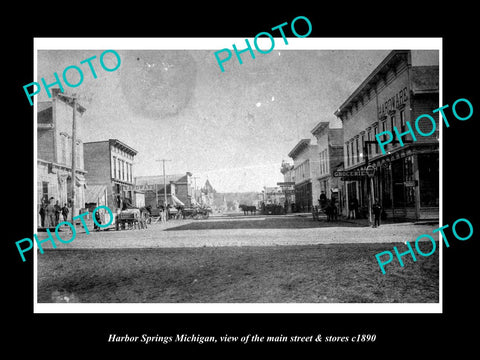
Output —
<point x="303" y="197"/>
<point x="406" y="185"/>
<point x="55" y="181"/>
<point x="406" y="178"/>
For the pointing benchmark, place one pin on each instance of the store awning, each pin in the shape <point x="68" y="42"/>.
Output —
<point x="177" y="201"/>
<point x="96" y="194"/>
<point x="80" y="180"/>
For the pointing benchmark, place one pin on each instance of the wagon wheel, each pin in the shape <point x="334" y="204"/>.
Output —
<point x="206" y="215"/>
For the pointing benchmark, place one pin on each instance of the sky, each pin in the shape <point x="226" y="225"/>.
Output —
<point x="233" y="127"/>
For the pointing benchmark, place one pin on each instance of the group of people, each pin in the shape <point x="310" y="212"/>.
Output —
<point x="50" y="211"/>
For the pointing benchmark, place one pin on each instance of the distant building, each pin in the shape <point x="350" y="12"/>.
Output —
<point x="179" y="188"/>
<point x="274" y="195"/>
<point x="288" y="184"/>
<point x="54" y="152"/>
<point x="110" y="163"/>
<point x="330" y="154"/>
<point x="307" y="170"/>
<point x="208" y="194"/>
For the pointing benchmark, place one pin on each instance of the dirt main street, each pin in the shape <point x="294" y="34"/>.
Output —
<point x="244" y="231"/>
<point x="239" y="259"/>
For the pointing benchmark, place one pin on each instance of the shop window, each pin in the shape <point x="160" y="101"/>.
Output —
<point x="409" y="181"/>
<point x="398" y="183"/>
<point x="45" y="191"/>
<point x="429" y="179"/>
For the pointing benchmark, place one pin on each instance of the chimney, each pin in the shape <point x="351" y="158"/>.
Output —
<point x="55" y="92"/>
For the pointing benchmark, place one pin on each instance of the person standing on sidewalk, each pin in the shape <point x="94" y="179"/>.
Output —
<point x="50" y="214"/>
<point x="58" y="210"/>
<point x="98" y="218"/>
<point x="65" y="212"/>
<point x="43" y="212"/>
<point x="376" y="209"/>
<point x="353" y="208"/>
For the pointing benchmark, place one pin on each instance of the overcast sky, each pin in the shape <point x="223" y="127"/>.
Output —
<point x="233" y="127"/>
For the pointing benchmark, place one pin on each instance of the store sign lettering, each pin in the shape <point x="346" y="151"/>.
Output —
<point x="394" y="102"/>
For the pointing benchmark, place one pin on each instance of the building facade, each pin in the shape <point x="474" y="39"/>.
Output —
<point x="330" y="154"/>
<point x="406" y="179"/>
<point x="306" y="167"/>
<point x="110" y="163"/>
<point x="54" y="153"/>
<point x="273" y="195"/>
<point x="179" y="188"/>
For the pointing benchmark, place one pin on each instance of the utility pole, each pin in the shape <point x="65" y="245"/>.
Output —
<point x="195" y="184"/>
<point x="73" y="98"/>
<point x="371" y="195"/>
<point x="74" y="156"/>
<point x="164" y="182"/>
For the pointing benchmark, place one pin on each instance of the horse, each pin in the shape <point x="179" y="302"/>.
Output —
<point x="332" y="212"/>
<point x="247" y="208"/>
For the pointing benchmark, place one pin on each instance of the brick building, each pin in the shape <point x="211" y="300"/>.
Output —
<point x="54" y="152"/>
<point x="306" y="166"/>
<point x="406" y="179"/>
<point x="110" y="163"/>
<point x="179" y="189"/>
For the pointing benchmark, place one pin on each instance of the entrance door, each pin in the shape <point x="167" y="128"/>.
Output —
<point x="398" y="185"/>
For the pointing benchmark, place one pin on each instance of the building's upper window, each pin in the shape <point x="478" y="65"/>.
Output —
<point x="392" y="126"/>
<point x="356" y="148"/>
<point x="119" y="169"/>
<point x="351" y="150"/>
<point x="384" y="128"/>
<point x="362" y="144"/>
<point x="114" y="166"/>
<point x="348" y="154"/>
<point x="402" y="121"/>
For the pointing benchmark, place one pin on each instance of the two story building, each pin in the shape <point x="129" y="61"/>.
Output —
<point x="54" y="153"/>
<point x="406" y="179"/>
<point x="109" y="163"/>
<point x="330" y="154"/>
<point x="179" y="189"/>
<point x="306" y="166"/>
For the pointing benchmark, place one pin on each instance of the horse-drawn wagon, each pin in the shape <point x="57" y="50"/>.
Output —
<point x="327" y="207"/>
<point x="197" y="213"/>
<point x="131" y="219"/>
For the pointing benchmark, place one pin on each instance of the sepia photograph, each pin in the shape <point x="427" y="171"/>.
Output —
<point x="299" y="180"/>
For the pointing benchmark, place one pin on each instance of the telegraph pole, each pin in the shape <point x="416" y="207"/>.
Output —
<point x="195" y="184"/>
<point x="164" y="181"/>
<point x="73" y="98"/>
<point x="74" y="155"/>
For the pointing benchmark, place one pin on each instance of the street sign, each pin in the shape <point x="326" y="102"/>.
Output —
<point x="349" y="173"/>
